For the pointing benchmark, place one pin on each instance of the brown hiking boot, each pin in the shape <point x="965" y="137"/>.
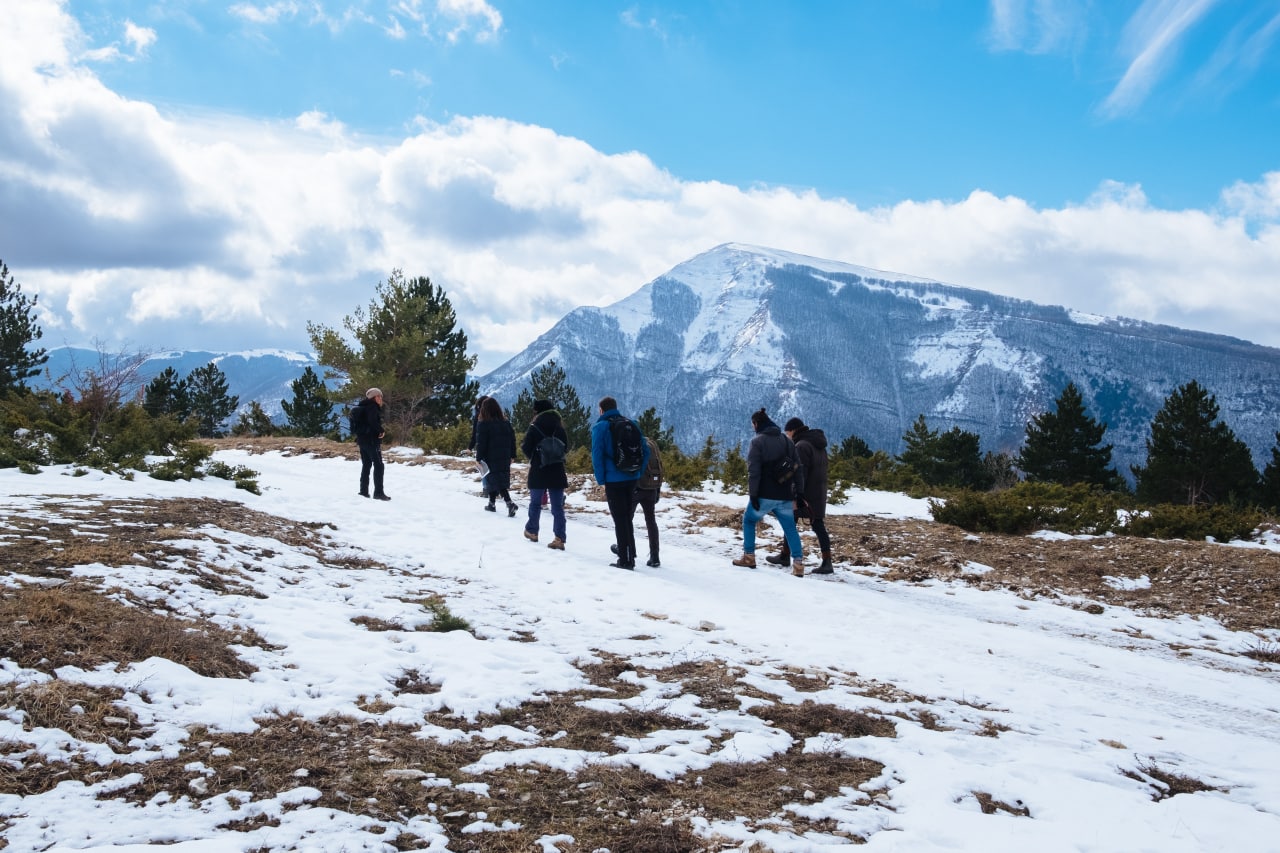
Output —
<point x="557" y="544"/>
<point x="797" y="568"/>
<point x="746" y="560"/>
<point x="532" y="537"/>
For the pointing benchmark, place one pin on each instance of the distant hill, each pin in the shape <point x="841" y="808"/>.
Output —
<point x="862" y="351"/>
<point x="261" y="375"/>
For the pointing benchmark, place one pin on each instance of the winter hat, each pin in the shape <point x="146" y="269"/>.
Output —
<point x="540" y="406"/>
<point x="373" y="392"/>
<point x="794" y="425"/>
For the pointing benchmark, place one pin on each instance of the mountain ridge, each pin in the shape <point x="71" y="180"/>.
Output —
<point x="862" y="351"/>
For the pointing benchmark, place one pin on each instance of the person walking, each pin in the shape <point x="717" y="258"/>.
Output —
<point x="618" y="456"/>
<point x="496" y="448"/>
<point x="547" y="476"/>
<point x="773" y="477"/>
<point x="366" y="426"/>
<point x="811" y="447"/>
<point x="471" y="446"/>
<point x="648" y="492"/>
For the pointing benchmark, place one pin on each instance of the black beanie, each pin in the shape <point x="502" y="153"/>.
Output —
<point x="794" y="425"/>
<point x="540" y="406"/>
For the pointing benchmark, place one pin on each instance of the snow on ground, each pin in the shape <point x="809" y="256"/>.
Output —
<point x="1080" y="698"/>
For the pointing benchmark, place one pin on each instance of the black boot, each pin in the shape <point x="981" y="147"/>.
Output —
<point x="783" y="559"/>
<point x="511" y="509"/>
<point x="490" y="507"/>
<point x="654" y="562"/>
<point x="380" y="496"/>
<point x="825" y="568"/>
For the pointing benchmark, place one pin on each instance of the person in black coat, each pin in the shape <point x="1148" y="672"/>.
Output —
<point x="496" y="448"/>
<point x="811" y="447"/>
<point x="773" y="477"/>
<point x="545" y="479"/>
<point x="366" y="426"/>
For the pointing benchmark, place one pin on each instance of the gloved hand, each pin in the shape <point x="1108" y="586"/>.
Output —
<point x="755" y="503"/>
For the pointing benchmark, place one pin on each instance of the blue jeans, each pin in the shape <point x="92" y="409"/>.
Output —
<point x="782" y="510"/>
<point x="557" y="511"/>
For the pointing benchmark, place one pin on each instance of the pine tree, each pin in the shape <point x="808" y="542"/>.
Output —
<point x="254" y="421"/>
<point x="18" y="330"/>
<point x="166" y="394"/>
<point x="1192" y="457"/>
<point x="952" y="458"/>
<point x="853" y="447"/>
<point x="1065" y="446"/>
<point x="211" y="405"/>
<point x="310" y="413"/>
<point x="651" y="425"/>
<point x="407" y="343"/>
<point x="549" y="382"/>
<point x="1269" y="492"/>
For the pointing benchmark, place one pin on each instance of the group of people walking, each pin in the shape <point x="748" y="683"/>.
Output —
<point x="786" y="475"/>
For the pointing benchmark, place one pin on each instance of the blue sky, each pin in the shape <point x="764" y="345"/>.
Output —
<point x="203" y="171"/>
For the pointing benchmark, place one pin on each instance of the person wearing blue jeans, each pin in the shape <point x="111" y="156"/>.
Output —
<point x="774" y="478"/>
<point x="545" y="479"/>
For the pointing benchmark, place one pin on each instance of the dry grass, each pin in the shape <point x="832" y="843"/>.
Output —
<point x="1167" y="783"/>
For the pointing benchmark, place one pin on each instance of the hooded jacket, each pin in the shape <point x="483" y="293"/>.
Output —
<point x="602" y="453"/>
<point x="811" y="445"/>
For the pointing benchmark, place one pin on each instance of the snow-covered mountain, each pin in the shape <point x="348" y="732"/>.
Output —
<point x="862" y="351"/>
<point x="264" y="376"/>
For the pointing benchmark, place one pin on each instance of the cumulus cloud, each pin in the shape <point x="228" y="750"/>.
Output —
<point x="220" y="232"/>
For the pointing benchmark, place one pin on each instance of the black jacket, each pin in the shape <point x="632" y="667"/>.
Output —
<point x="767" y="448"/>
<point x="540" y="476"/>
<point x="367" y="422"/>
<point x="496" y="447"/>
<point x="811" y="445"/>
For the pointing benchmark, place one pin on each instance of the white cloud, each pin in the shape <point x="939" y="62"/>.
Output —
<point x="269" y="13"/>
<point x="1151" y="40"/>
<point x="224" y="232"/>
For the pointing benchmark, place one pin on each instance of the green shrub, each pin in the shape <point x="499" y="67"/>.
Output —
<point x="1031" y="506"/>
<point x="578" y="461"/>
<point x="444" y="441"/>
<point x="732" y="472"/>
<point x="244" y="478"/>
<point x="879" y="471"/>
<point x="686" y="473"/>
<point x="1223" y="522"/>
<point x="186" y="463"/>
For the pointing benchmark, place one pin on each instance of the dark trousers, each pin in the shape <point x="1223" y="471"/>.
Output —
<point x="648" y="501"/>
<point x="370" y="458"/>
<point x="819" y="525"/>
<point x="622" y="506"/>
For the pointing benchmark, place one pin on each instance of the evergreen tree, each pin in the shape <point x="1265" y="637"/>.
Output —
<point x="166" y="394"/>
<point x="407" y="343"/>
<point x="549" y="382"/>
<point x="952" y="458"/>
<point x="18" y="329"/>
<point x="651" y="425"/>
<point x="1192" y="457"/>
<point x="254" y="421"/>
<point x="853" y="447"/>
<point x="1065" y="446"/>
<point x="310" y="413"/>
<point x="1269" y="494"/>
<point x="211" y="405"/>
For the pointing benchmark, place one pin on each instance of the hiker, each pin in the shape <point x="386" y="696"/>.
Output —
<point x="648" y="491"/>
<point x="774" y="477"/>
<point x="811" y="447"/>
<point x="618" y="456"/>
<point x="547" y="476"/>
<point x="366" y="426"/>
<point x="496" y="448"/>
<point x="471" y="447"/>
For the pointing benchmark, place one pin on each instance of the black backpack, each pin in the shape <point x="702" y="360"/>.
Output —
<point x="551" y="450"/>
<point x="628" y="445"/>
<point x="356" y="420"/>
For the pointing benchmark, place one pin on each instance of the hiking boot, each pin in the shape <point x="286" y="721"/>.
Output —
<point x="512" y="507"/>
<point x="797" y="568"/>
<point x="779" y="559"/>
<point x="614" y="547"/>
<point x="653" y="562"/>
<point x="363" y="494"/>
<point x="557" y="544"/>
<point x="491" y="508"/>
<point x="532" y="537"/>
<point x="623" y="564"/>
<point x="825" y="568"/>
<point x="746" y="560"/>
<point x="380" y="496"/>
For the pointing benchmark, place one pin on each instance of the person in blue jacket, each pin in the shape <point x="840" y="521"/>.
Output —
<point x="619" y="483"/>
